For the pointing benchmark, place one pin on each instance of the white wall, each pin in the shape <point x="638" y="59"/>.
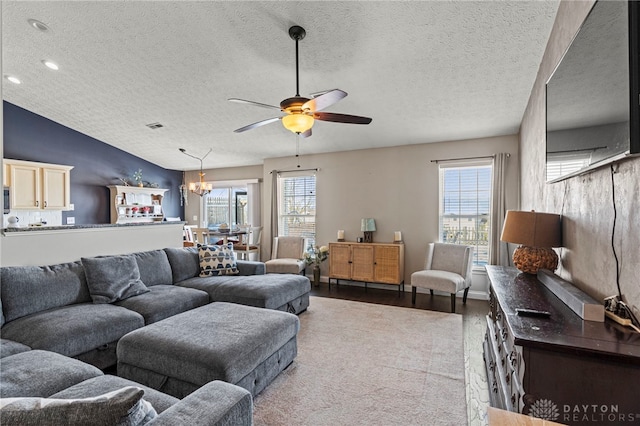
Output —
<point x="397" y="186"/>
<point x="584" y="201"/>
<point x="48" y="247"/>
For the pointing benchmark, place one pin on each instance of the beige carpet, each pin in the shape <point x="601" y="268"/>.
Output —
<point x="366" y="364"/>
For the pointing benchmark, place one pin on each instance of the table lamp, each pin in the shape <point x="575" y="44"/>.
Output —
<point x="536" y="233"/>
<point x="368" y="225"/>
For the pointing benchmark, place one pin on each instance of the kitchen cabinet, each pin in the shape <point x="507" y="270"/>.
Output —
<point x="38" y="186"/>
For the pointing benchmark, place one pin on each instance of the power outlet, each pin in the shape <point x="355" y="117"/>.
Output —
<point x="195" y="218"/>
<point x="72" y="206"/>
<point x="71" y="220"/>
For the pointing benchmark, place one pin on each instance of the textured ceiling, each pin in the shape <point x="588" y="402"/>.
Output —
<point x="425" y="71"/>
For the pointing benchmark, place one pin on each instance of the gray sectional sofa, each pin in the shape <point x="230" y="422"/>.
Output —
<point x="51" y="307"/>
<point x="74" y="310"/>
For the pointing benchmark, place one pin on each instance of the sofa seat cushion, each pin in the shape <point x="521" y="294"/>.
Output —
<point x="41" y="374"/>
<point x="9" y="347"/>
<point x="269" y="291"/>
<point x="107" y="383"/>
<point x="220" y="341"/>
<point x="123" y="406"/>
<point x="74" y="329"/>
<point x="163" y="301"/>
<point x="284" y="266"/>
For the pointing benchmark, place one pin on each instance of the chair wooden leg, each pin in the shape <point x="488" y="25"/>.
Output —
<point x="413" y="295"/>
<point x="464" y="296"/>
<point x="453" y="303"/>
<point x="431" y="291"/>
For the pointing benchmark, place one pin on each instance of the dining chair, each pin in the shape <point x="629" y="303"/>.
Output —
<point x="201" y="235"/>
<point x="447" y="268"/>
<point x="250" y="243"/>
<point x="287" y="256"/>
<point x="187" y="236"/>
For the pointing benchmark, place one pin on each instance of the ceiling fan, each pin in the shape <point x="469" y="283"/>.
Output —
<point x="301" y="112"/>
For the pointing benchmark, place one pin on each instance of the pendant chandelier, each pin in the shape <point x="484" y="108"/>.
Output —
<point x="200" y="188"/>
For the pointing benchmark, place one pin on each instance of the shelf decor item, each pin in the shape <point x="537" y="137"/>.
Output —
<point x="137" y="176"/>
<point x="397" y="237"/>
<point x="536" y="233"/>
<point x="368" y="225"/>
<point x="341" y="235"/>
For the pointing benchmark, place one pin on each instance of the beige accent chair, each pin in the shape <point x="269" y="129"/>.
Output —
<point x="448" y="269"/>
<point x="287" y="256"/>
<point x="250" y="243"/>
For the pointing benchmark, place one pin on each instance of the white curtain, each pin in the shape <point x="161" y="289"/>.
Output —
<point x="274" y="204"/>
<point x="253" y="195"/>
<point x="499" y="253"/>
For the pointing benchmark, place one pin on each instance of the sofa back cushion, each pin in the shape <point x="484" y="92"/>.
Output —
<point x="29" y="289"/>
<point x="154" y="267"/>
<point x="113" y="278"/>
<point x="184" y="262"/>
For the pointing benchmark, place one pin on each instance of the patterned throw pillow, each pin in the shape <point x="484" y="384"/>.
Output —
<point x="123" y="407"/>
<point x="217" y="260"/>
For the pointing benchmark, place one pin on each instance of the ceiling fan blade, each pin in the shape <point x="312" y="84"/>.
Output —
<point x="306" y="134"/>
<point x="325" y="100"/>
<point x="243" y="101"/>
<point x="258" y="124"/>
<point x="341" y="118"/>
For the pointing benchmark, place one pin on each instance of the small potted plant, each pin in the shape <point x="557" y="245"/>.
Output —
<point x="315" y="256"/>
<point x="137" y="176"/>
<point x="146" y="210"/>
<point x="134" y="210"/>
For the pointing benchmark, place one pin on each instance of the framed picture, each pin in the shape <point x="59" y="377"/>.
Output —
<point x="155" y="202"/>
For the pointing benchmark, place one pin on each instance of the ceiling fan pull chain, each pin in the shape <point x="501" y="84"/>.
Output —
<point x="298" y="148"/>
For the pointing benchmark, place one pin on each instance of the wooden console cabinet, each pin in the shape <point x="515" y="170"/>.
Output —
<point x="132" y="204"/>
<point x="560" y="368"/>
<point x="367" y="262"/>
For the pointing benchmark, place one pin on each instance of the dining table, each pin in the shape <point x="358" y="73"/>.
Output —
<point x="226" y="234"/>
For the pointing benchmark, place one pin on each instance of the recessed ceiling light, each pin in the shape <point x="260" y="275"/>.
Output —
<point x="14" y="80"/>
<point x="51" y="65"/>
<point x="41" y="26"/>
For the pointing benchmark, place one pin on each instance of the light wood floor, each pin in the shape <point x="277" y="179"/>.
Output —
<point x="474" y="328"/>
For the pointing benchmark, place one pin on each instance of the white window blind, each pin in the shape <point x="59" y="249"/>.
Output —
<point x="297" y="197"/>
<point x="465" y="206"/>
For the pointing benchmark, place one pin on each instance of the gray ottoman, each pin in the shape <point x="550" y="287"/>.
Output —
<point x="242" y="345"/>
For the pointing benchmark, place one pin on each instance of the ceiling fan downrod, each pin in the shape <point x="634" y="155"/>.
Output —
<point x="297" y="33"/>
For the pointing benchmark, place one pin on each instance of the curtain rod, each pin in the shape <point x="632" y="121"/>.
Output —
<point x="467" y="158"/>
<point x="294" y="170"/>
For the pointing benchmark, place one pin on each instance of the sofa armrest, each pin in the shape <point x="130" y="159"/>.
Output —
<point x="216" y="403"/>
<point x="246" y="267"/>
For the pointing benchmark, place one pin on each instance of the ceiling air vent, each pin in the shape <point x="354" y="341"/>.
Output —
<point x="154" y="126"/>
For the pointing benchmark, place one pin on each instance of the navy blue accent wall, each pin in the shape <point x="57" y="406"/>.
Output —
<point x="31" y="137"/>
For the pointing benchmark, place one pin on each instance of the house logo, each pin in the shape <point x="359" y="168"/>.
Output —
<point x="544" y="409"/>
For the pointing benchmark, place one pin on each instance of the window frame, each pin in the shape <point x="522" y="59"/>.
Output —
<point x="480" y="258"/>
<point x="305" y="218"/>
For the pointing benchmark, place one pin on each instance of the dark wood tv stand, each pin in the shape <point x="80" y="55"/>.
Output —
<point x="560" y="368"/>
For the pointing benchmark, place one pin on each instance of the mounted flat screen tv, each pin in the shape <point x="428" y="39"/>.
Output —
<point x="593" y="95"/>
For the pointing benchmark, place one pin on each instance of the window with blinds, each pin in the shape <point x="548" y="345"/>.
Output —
<point x="297" y="210"/>
<point x="465" y="207"/>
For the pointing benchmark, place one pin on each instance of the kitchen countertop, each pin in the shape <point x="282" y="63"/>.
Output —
<point x="99" y="225"/>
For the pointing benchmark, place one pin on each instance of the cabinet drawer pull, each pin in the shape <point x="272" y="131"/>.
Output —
<point x="37" y="203"/>
<point x="45" y="204"/>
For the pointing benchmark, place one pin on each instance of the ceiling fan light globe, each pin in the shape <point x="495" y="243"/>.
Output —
<point x="297" y="123"/>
